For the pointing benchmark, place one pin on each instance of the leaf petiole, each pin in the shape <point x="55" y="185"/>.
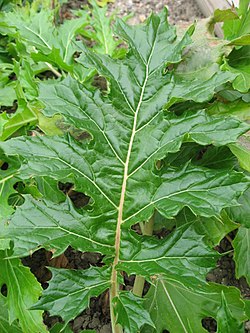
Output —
<point x="147" y="230"/>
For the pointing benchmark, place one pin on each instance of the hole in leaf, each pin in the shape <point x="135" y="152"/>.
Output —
<point x="163" y="233"/>
<point x="159" y="164"/>
<point x="165" y="331"/>
<point x="9" y="109"/>
<point x="65" y="187"/>
<point x="100" y="82"/>
<point x="4" y="166"/>
<point x="12" y="77"/>
<point x="79" y="199"/>
<point x="226" y="243"/>
<point x="136" y="227"/>
<point x="168" y="68"/>
<point x="16" y="199"/>
<point x="209" y="324"/>
<point x="38" y="263"/>
<point x="19" y="186"/>
<point x="46" y="75"/>
<point x="4" y="290"/>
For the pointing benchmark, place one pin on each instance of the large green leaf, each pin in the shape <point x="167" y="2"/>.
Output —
<point x="21" y="285"/>
<point x="56" y="226"/>
<point x="177" y="255"/>
<point x="170" y="303"/>
<point x="111" y="156"/>
<point x="70" y="287"/>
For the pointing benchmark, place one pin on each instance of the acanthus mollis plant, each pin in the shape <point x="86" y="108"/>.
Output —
<point x="136" y="159"/>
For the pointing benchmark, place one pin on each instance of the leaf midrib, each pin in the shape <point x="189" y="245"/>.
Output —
<point x="114" y="287"/>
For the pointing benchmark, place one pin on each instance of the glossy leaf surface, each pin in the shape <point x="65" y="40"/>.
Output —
<point x="112" y="153"/>
<point x="170" y="302"/>
<point x="241" y="246"/>
<point x="226" y="323"/>
<point x="5" y="326"/>
<point x="127" y="308"/>
<point x="70" y="287"/>
<point x="21" y="283"/>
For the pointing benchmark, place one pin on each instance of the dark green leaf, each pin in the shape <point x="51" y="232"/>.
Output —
<point x="214" y="229"/>
<point x="238" y="63"/>
<point x="69" y="291"/>
<point x="177" y="255"/>
<point x="241" y="213"/>
<point x="56" y="226"/>
<point x="5" y="326"/>
<point x="241" y="246"/>
<point x="171" y="302"/>
<point x="21" y="284"/>
<point x="226" y="323"/>
<point x="127" y="307"/>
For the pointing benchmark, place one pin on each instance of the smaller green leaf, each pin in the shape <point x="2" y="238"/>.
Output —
<point x="242" y="151"/>
<point x="247" y="307"/>
<point x="224" y="15"/>
<point x="241" y="246"/>
<point x="53" y="226"/>
<point x="241" y="41"/>
<point x="69" y="291"/>
<point x="243" y="7"/>
<point x="49" y="189"/>
<point x="241" y="213"/>
<point x="4" y="244"/>
<point x="180" y="307"/>
<point x="22" y="117"/>
<point x="238" y="63"/>
<point x="236" y="108"/>
<point x="213" y="228"/>
<point x="6" y="189"/>
<point x="103" y="33"/>
<point x="237" y="27"/>
<point x="131" y="314"/>
<point x="5" y="326"/>
<point x="26" y="78"/>
<point x="60" y="328"/>
<point x="22" y="286"/>
<point x="178" y="254"/>
<point x="226" y="323"/>
<point x="7" y="95"/>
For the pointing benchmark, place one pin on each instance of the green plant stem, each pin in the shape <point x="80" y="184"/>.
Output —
<point x="147" y="229"/>
<point x="138" y="285"/>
